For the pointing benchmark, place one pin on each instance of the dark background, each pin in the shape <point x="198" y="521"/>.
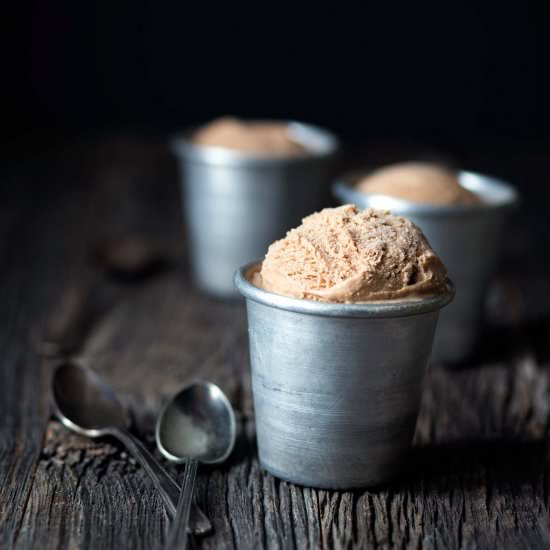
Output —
<point x="464" y="82"/>
<point x="441" y="72"/>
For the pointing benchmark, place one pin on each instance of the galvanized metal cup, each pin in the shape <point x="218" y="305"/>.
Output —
<point x="466" y="237"/>
<point x="236" y="204"/>
<point x="336" y="387"/>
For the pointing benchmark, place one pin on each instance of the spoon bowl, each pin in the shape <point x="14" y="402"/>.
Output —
<point x="197" y="423"/>
<point x="86" y="404"/>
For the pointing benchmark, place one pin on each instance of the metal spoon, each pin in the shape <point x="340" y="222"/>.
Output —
<point x="88" y="406"/>
<point x="197" y="424"/>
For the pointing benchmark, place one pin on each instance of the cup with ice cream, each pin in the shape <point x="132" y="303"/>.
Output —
<point x="463" y="215"/>
<point x="341" y="317"/>
<point x="244" y="184"/>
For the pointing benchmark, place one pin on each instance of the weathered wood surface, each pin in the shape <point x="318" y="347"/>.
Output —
<point x="477" y="476"/>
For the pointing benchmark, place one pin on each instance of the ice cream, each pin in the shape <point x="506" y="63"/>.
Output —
<point x="347" y="255"/>
<point x="260" y="138"/>
<point x="417" y="182"/>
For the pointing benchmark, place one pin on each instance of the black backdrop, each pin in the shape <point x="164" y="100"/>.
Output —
<point x="452" y="73"/>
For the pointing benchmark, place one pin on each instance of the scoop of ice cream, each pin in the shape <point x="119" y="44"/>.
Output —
<point x="417" y="182"/>
<point x="346" y="255"/>
<point x="261" y="138"/>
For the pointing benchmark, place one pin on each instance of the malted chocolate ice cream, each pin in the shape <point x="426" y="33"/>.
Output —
<point x="418" y="182"/>
<point x="347" y="255"/>
<point x="259" y="138"/>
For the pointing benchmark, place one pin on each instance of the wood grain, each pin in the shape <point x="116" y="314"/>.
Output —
<point x="477" y="475"/>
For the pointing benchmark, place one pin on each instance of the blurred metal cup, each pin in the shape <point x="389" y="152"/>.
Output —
<point x="236" y="204"/>
<point x="336" y="387"/>
<point x="466" y="237"/>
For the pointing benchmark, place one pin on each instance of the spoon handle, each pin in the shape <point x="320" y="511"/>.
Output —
<point x="169" y="490"/>
<point x="177" y="539"/>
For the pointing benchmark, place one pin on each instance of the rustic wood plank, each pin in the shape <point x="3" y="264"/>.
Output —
<point x="33" y="251"/>
<point x="477" y="475"/>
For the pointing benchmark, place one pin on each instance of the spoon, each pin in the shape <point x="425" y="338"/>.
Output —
<point x="88" y="406"/>
<point x="197" y="424"/>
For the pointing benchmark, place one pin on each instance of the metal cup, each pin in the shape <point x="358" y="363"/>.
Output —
<point x="336" y="387"/>
<point x="467" y="239"/>
<point x="236" y="204"/>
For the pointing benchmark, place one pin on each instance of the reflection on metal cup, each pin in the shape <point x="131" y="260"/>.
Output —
<point x="336" y="387"/>
<point x="236" y="204"/>
<point x="466" y="238"/>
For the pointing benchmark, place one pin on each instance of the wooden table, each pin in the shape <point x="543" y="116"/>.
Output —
<point x="477" y="476"/>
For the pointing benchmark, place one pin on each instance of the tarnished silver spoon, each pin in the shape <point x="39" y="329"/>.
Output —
<point x="196" y="425"/>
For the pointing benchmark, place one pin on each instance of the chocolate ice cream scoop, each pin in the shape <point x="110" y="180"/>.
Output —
<point x="347" y="255"/>
<point x="417" y="182"/>
<point x="260" y="138"/>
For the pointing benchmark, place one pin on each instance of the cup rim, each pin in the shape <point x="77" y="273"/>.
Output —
<point x="497" y="194"/>
<point x="372" y="310"/>
<point x="323" y="145"/>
